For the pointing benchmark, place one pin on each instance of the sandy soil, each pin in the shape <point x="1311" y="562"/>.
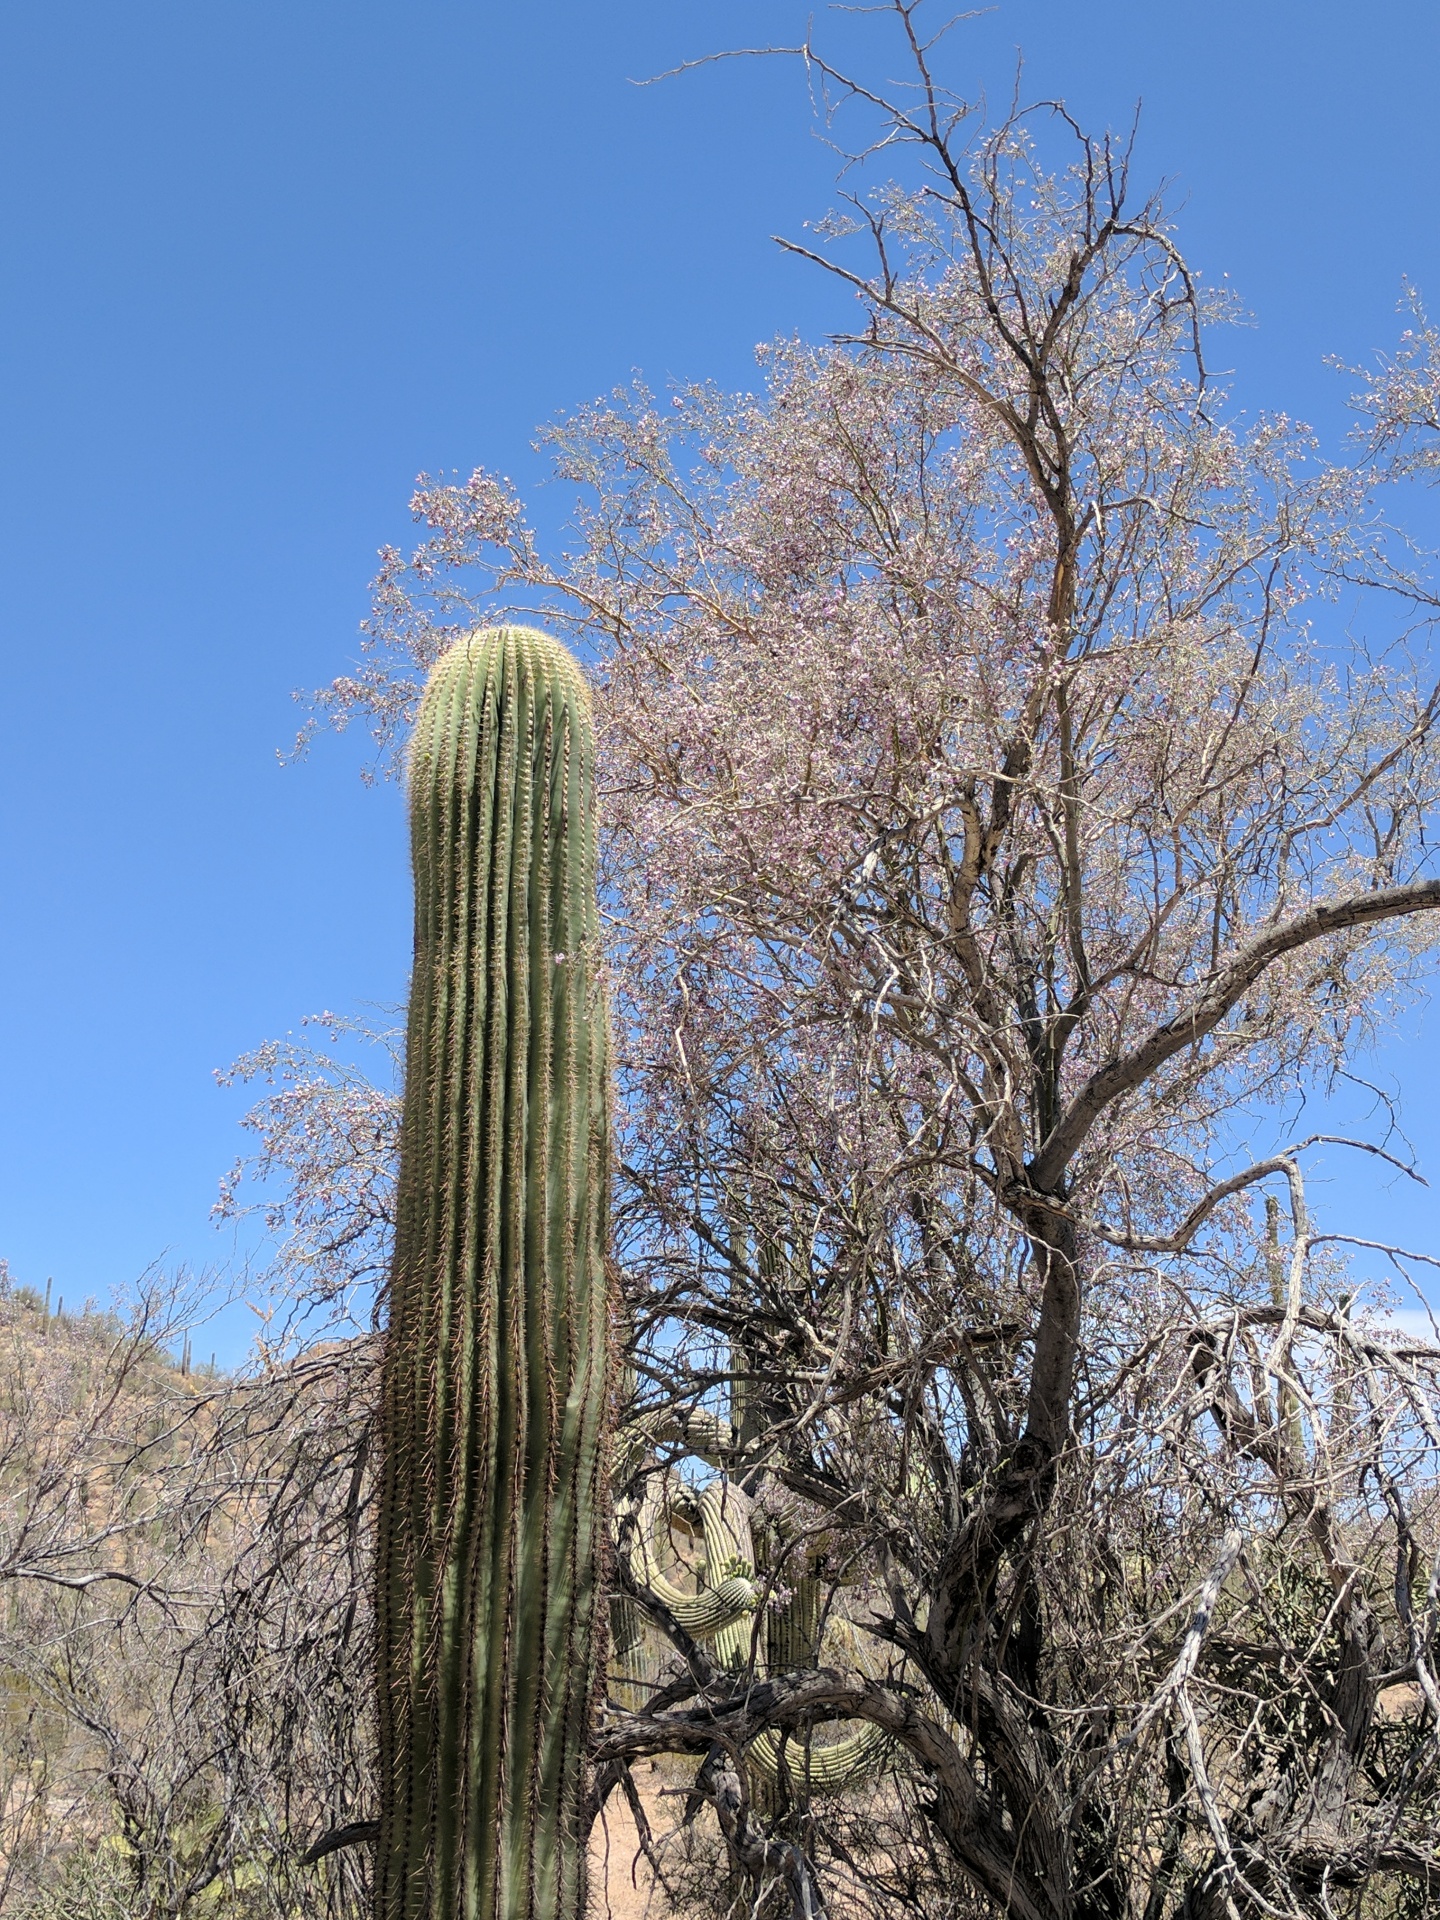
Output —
<point x="621" y="1884"/>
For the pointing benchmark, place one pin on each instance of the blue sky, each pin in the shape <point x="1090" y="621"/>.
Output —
<point x="260" y="263"/>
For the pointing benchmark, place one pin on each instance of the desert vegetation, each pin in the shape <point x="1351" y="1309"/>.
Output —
<point x="1017" y="777"/>
<point x="186" y="1632"/>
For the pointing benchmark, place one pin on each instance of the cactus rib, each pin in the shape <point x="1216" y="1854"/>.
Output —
<point x="842" y="1764"/>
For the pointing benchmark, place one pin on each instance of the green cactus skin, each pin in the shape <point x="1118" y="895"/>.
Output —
<point x="793" y="1635"/>
<point x="733" y="1597"/>
<point x="494" y="1390"/>
<point x="730" y="1550"/>
<point x="709" y="1614"/>
<point x="844" y="1764"/>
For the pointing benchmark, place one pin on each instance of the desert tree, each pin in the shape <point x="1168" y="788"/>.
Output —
<point x="184" y="1643"/>
<point x="320" y="1177"/>
<point x="1019" y="776"/>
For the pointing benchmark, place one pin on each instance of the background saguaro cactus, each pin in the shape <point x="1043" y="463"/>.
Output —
<point x="495" y="1370"/>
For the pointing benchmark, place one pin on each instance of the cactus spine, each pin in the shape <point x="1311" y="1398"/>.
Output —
<point x="494" y="1389"/>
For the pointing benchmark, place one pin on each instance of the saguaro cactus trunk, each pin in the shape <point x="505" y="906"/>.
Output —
<point x="494" y="1386"/>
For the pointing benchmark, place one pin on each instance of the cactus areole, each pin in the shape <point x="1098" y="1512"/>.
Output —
<point x="494" y="1390"/>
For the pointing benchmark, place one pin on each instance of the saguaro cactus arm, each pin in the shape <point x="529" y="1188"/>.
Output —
<point x="731" y="1598"/>
<point x="494" y="1388"/>
<point x="842" y="1764"/>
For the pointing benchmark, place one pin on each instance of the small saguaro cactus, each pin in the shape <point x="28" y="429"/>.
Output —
<point x="494" y="1389"/>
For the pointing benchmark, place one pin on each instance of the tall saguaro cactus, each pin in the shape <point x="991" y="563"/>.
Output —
<point x="494" y="1387"/>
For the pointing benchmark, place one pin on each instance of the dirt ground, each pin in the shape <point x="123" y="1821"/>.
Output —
<point x="614" y="1893"/>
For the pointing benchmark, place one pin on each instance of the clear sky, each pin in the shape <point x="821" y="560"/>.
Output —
<point x="261" y="261"/>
